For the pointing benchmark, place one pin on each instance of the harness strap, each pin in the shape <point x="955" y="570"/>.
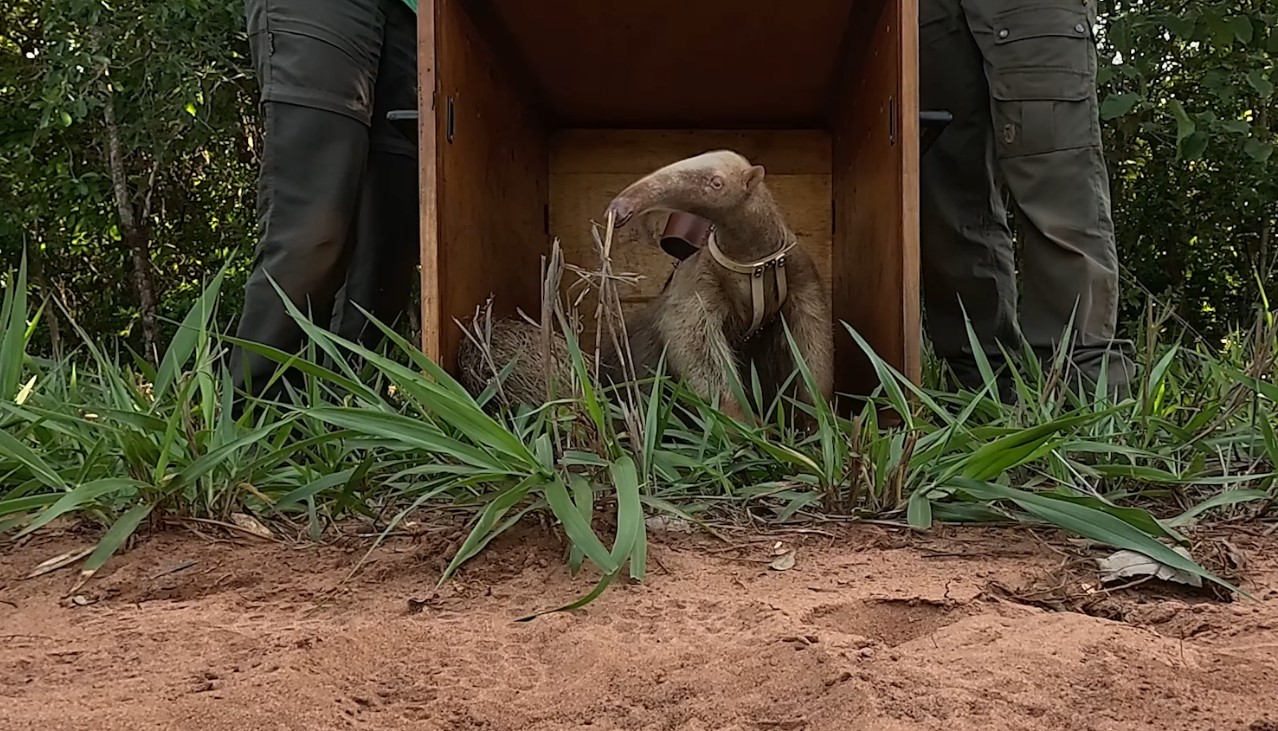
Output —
<point x="755" y="269"/>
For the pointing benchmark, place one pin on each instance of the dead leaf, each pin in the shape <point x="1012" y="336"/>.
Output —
<point x="784" y="562"/>
<point x="251" y="525"/>
<point x="1127" y="564"/>
<point x="58" y="562"/>
<point x="81" y="600"/>
<point x="25" y="392"/>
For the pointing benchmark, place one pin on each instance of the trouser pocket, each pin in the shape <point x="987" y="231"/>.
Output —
<point x="1041" y="66"/>
<point x="322" y="54"/>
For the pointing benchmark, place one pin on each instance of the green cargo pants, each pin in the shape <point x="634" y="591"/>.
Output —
<point x="337" y="189"/>
<point x="1019" y="76"/>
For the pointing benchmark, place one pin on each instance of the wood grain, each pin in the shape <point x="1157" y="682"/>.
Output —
<point x="673" y="63"/>
<point x="428" y="183"/>
<point x="493" y="187"/>
<point x="781" y="152"/>
<point x="588" y="168"/>
<point x="875" y="178"/>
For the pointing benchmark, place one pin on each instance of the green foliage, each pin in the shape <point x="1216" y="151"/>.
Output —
<point x="1188" y="104"/>
<point x="88" y="430"/>
<point x="119" y="443"/>
<point x="184" y="97"/>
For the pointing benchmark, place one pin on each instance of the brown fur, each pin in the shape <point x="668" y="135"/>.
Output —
<point x="705" y="310"/>
<point x="513" y="339"/>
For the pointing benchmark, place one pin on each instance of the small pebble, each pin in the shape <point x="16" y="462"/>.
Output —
<point x="840" y="678"/>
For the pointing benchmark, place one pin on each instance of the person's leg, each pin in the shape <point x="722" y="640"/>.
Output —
<point x="385" y="247"/>
<point x="316" y="63"/>
<point x="1040" y="59"/>
<point x="966" y="245"/>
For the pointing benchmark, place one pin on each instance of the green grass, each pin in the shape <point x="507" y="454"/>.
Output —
<point x="104" y="437"/>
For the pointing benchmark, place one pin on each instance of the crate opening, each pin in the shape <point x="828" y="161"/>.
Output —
<point x="543" y="111"/>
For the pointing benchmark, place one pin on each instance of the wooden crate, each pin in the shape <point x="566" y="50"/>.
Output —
<point x="538" y="113"/>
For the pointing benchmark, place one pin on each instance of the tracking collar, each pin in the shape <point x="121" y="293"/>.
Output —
<point x="755" y="270"/>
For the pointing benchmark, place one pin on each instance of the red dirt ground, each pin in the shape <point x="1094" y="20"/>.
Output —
<point x="876" y="630"/>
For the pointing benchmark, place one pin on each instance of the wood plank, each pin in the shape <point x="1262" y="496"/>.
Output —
<point x="669" y="63"/>
<point x="428" y="184"/>
<point x="493" y="189"/>
<point x="588" y="168"/>
<point x="875" y="179"/>
<point x="782" y="152"/>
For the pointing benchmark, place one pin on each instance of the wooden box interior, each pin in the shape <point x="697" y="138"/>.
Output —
<point x="538" y="113"/>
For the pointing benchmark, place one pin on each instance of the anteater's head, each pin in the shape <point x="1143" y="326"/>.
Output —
<point x="706" y="185"/>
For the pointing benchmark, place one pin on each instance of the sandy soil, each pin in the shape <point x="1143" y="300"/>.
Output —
<point x="875" y="630"/>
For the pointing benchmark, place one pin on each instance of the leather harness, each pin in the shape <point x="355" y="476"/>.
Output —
<point x="682" y="238"/>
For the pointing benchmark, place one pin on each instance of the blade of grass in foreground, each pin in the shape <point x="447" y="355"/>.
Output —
<point x="111" y="542"/>
<point x="1012" y="450"/>
<point x="314" y="370"/>
<point x="188" y="335"/>
<point x="578" y="530"/>
<point x="630" y="541"/>
<point x="1136" y="517"/>
<point x="594" y="594"/>
<point x="918" y="511"/>
<point x="440" y="393"/>
<point x="1219" y="500"/>
<point x="890" y="379"/>
<point x="1090" y="523"/>
<point x="79" y="497"/>
<point x="483" y="532"/>
<point x="13" y="318"/>
<point x="413" y="433"/>
<point x="584" y="497"/>
<point x="12" y="449"/>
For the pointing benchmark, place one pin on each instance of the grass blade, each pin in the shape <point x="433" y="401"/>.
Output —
<point x="1091" y="523"/>
<point x="578" y="530"/>
<point x="630" y="523"/>
<point x="79" y="497"/>
<point x="188" y="335"/>
<point x="112" y="541"/>
<point x="13" y="338"/>
<point x="1219" y="500"/>
<point x="11" y="448"/>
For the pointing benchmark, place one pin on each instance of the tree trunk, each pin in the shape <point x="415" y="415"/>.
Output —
<point x="135" y="237"/>
<point x="1266" y="266"/>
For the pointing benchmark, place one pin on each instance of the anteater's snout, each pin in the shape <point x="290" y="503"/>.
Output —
<point x="621" y="212"/>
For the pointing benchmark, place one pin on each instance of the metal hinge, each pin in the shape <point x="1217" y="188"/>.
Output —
<point x="892" y="119"/>
<point x="450" y="121"/>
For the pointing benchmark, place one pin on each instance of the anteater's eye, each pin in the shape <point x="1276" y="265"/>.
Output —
<point x="716" y="182"/>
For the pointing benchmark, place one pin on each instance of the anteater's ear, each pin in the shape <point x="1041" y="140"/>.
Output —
<point x="754" y="177"/>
